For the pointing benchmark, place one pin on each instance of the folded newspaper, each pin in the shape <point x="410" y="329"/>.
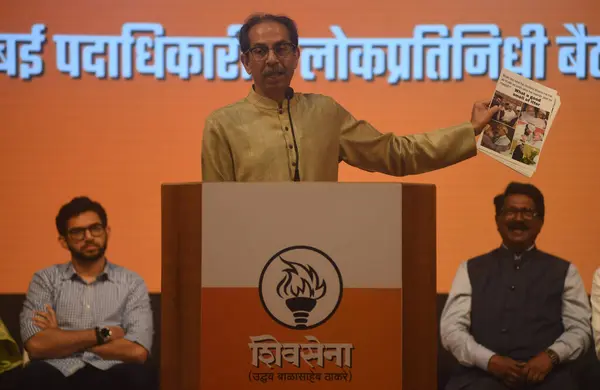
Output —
<point x="517" y="133"/>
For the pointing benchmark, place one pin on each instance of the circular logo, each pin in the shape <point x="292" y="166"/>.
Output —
<point x="300" y="287"/>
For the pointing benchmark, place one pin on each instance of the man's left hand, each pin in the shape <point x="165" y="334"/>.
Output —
<point x="45" y="319"/>
<point x="481" y="115"/>
<point x="538" y="367"/>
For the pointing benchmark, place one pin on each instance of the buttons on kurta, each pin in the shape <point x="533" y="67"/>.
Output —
<point x="285" y="128"/>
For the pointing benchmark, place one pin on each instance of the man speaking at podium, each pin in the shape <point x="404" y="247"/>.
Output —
<point x="275" y="134"/>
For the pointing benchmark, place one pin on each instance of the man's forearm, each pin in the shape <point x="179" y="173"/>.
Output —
<point x="465" y="349"/>
<point x="57" y="343"/>
<point x="121" y="349"/>
<point x="571" y="345"/>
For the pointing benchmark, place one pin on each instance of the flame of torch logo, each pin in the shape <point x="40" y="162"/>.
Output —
<point x="301" y="288"/>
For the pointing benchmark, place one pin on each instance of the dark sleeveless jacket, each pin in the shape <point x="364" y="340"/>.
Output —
<point x="516" y="307"/>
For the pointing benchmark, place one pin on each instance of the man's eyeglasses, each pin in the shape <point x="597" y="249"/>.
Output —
<point x="513" y="212"/>
<point x="281" y="50"/>
<point x="78" y="233"/>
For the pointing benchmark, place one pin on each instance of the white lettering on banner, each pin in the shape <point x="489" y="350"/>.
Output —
<point x="434" y="52"/>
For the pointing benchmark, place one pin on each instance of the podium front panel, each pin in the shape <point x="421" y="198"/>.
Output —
<point x="296" y="284"/>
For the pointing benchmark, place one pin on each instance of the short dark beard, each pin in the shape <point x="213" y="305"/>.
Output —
<point x="88" y="259"/>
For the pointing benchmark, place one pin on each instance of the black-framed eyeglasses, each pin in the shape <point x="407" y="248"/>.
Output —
<point x="78" y="233"/>
<point x="281" y="50"/>
<point x="511" y="213"/>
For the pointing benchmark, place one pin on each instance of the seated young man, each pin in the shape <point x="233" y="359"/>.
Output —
<point x="86" y="324"/>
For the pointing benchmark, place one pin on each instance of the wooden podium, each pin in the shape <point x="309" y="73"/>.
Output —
<point x="279" y="284"/>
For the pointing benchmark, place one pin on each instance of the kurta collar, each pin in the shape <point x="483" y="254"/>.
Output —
<point x="517" y="256"/>
<point x="266" y="103"/>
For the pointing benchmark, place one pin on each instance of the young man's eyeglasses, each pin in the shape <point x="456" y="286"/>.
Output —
<point x="281" y="50"/>
<point x="78" y="233"/>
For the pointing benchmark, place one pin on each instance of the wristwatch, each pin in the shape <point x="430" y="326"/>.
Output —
<point x="103" y="334"/>
<point x="553" y="357"/>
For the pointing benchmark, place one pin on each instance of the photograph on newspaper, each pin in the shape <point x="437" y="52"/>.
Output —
<point x="535" y="138"/>
<point x="516" y="134"/>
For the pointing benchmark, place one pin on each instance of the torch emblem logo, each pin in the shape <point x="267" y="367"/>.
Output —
<point x="300" y="287"/>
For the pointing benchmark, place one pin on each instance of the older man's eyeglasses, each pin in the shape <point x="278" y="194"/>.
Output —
<point x="281" y="50"/>
<point x="511" y="213"/>
<point x="78" y="233"/>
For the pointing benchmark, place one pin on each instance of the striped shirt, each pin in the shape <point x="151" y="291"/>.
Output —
<point x="118" y="297"/>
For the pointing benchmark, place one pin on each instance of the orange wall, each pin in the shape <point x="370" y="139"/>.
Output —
<point x="118" y="140"/>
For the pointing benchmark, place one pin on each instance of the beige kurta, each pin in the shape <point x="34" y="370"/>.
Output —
<point x="251" y="140"/>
